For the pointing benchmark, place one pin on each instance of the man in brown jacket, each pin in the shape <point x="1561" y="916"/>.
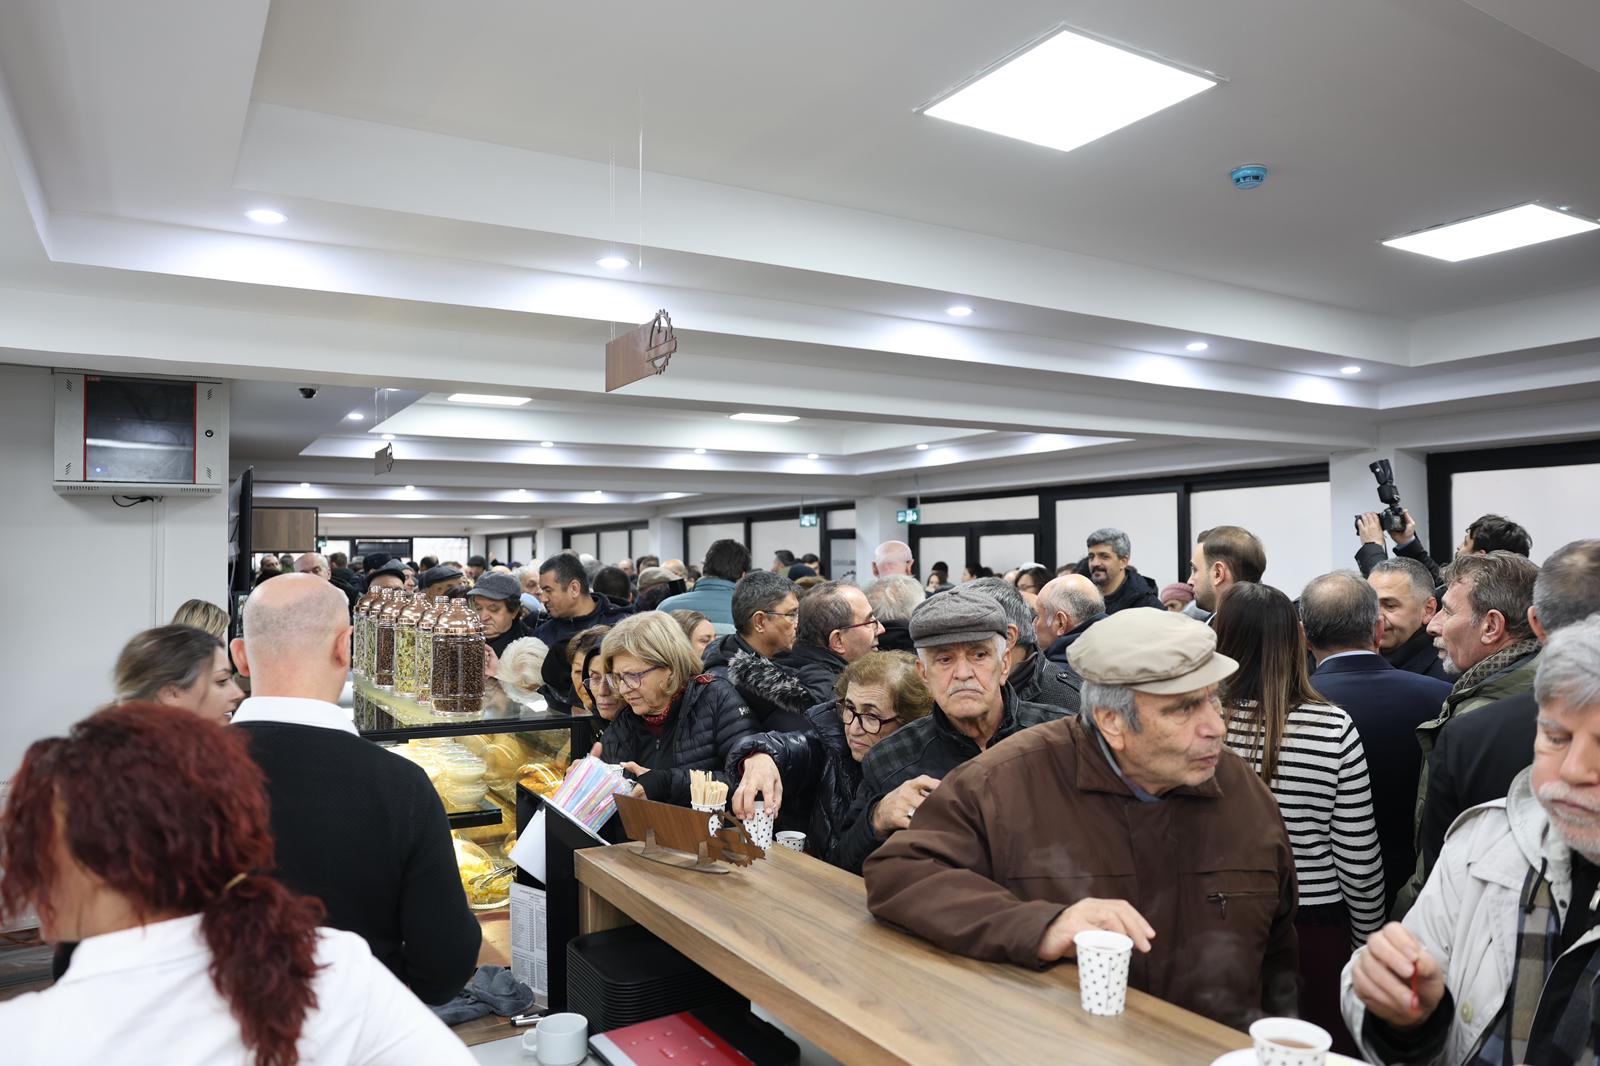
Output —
<point x="1132" y="817"/>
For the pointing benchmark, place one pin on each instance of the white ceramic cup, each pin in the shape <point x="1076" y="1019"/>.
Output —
<point x="792" y="839"/>
<point x="559" y="1039"/>
<point x="1290" y="1042"/>
<point x="1103" y="959"/>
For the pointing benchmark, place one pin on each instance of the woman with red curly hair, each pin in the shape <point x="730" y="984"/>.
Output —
<point x="144" y="835"/>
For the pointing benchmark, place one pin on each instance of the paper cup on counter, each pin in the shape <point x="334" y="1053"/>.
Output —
<point x="759" y="827"/>
<point x="714" y="825"/>
<point x="1103" y="959"/>
<point x="792" y="839"/>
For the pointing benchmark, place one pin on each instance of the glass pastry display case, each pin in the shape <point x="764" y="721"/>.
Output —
<point x="475" y="762"/>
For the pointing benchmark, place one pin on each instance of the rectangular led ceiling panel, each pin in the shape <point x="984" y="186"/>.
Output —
<point x="1498" y="231"/>
<point x="1067" y="90"/>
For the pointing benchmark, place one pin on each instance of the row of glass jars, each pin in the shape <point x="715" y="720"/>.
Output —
<point x="432" y="651"/>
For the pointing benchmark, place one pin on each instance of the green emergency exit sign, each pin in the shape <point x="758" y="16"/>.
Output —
<point x="909" y="517"/>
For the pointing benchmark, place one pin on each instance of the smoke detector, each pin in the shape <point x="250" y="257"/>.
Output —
<point x="1248" y="176"/>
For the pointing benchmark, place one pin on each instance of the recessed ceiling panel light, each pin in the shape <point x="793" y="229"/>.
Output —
<point x="356" y="416"/>
<point x="922" y="447"/>
<point x="547" y="444"/>
<point x="756" y="416"/>
<point x="699" y="451"/>
<point x="612" y="262"/>
<point x="958" y="311"/>
<point x="498" y="401"/>
<point x="266" y="216"/>
<point x="1067" y="90"/>
<point x="1498" y="231"/>
<point x="1196" y="346"/>
<point x="812" y="455"/>
<point x="1349" y="370"/>
<point x="388" y="436"/>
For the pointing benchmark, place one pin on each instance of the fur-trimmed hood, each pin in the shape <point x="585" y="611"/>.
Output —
<point x="768" y="686"/>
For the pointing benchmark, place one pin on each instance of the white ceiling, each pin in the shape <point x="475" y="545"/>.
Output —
<point x="450" y="176"/>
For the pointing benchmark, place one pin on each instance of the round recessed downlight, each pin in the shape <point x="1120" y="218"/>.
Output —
<point x="547" y="444"/>
<point x="699" y="451"/>
<point x="305" y="484"/>
<point x="958" y="311"/>
<point x="812" y="455"/>
<point x="1349" y="370"/>
<point x="1196" y="346"/>
<point x="388" y="436"/>
<point x="266" y="216"/>
<point x="356" y="416"/>
<point x="612" y="262"/>
<point x="599" y="492"/>
<point x="411" y="488"/>
<point x="922" y="447"/>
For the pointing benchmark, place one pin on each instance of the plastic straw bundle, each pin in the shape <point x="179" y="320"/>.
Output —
<point x="587" y="792"/>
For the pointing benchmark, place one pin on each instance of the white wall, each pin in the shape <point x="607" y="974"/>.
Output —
<point x="767" y="537"/>
<point x="1005" y="551"/>
<point x="995" y="510"/>
<point x="522" y="549"/>
<point x="1293" y="522"/>
<point x="1150" y="521"/>
<point x="122" y="569"/>
<point x="615" y="545"/>
<point x="1555" y="504"/>
<point x="585" y="543"/>
<point x="702" y="537"/>
<point x="949" y="550"/>
<point x="844" y="518"/>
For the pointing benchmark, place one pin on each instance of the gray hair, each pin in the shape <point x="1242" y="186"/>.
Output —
<point x="1017" y="611"/>
<point x="1569" y="669"/>
<point x="893" y="551"/>
<point x="1339" y="611"/>
<point x="1501" y="581"/>
<point x="1567" y="589"/>
<point x="527" y="574"/>
<point x="824" y="610"/>
<point x="895" y="597"/>
<point x="1116" y="698"/>
<point x="759" y="590"/>
<point x="1079" y="605"/>
<point x="1116" y="538"/>
<point x="591" y="565"/>
<point x="1413" y="571"/>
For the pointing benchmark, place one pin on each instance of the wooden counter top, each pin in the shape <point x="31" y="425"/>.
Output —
<point x="794" y="934"/>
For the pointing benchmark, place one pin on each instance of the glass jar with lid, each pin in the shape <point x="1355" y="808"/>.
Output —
<point x="383" y="639"/>
<point x="425" y="626"/>
<point x="361" y="618"/>
<point x="456" y="681"/>
<point x="405" y="645"/>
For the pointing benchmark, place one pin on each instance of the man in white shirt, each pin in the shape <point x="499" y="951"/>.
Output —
<point x="357" y="827"/>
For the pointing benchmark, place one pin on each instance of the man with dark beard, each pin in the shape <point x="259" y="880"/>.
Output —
<point x="1118" y="582"/>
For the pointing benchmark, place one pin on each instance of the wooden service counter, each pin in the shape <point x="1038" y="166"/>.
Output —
<point x="794" y="935"/>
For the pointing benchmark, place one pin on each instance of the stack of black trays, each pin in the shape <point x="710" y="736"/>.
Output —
<point x="628" y="975"/>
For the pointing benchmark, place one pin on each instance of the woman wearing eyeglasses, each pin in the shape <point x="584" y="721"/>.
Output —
<point x="680" y="720"/>
<point x="821" y="768"/>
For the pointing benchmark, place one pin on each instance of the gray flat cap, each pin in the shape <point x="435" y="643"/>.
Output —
<point x="960" y="616"/>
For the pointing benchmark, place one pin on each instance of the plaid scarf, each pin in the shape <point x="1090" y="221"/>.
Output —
<point x="1482" y="671"/>
<point x="1505" y="1041"/>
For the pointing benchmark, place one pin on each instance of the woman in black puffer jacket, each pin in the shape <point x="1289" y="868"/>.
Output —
<point x="678" y="718"/>
<point x="821" y="768"/>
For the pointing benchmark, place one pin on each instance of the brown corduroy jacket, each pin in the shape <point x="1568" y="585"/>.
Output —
<point x="1015" y="836"/>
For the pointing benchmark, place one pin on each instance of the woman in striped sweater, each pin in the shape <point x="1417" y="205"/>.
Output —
<point x="1309" y="753"/>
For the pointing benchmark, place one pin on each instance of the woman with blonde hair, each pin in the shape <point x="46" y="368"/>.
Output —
<point x="698" y="628"/>
<point x="203" y="615"/>
<point x="178" y="666"/>
<point x="820" y="768"/>
<point x="678" y="719"/>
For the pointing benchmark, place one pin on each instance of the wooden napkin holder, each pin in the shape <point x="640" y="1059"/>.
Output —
<point x="667" y="833"/>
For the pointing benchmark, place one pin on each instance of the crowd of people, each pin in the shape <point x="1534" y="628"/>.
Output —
<point x="1372" y="802"/>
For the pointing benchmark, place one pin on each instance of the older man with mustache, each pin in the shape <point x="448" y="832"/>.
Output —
<point x="1497" y="961"/>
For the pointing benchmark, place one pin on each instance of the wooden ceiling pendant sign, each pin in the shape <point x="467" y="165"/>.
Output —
<point x="640" y="352"/>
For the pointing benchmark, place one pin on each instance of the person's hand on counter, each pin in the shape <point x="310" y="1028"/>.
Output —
<point x="1115" y="915"/>
<point x="760" y="778"/>
<point x="491" y="663"/>
<point x="894" y="811"/>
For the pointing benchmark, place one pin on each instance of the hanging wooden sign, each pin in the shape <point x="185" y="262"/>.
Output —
<point x="640" y="353"/>
<point x="383" y="459"/>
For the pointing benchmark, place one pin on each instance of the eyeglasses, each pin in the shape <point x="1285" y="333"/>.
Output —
<point x="630" y="681"/>
<point x="792" y="616"/>
<point x="870" y="723"/>
<point x="872" y="620"/>
<point x="603" y="680"/>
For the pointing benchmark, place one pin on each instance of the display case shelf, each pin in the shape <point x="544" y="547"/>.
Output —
<point x="384" y="716"/>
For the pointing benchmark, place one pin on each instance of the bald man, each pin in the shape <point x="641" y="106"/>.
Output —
<point x="1067" y="606"/>
<point x="313" y="563"/>
<point x="357" y="828"/>
<point x="892" y="557"/>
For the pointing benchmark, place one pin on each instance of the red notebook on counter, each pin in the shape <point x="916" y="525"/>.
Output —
<point x="676" y="1040"/>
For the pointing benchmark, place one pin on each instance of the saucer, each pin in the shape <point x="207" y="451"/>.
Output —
<point x="1247" y="1057"/>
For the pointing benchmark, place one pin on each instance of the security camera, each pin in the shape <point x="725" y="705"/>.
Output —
<point x="307" y="392"/>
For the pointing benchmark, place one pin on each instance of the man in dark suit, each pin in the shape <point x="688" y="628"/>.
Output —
<point x="1407" y="601"/>
<point x="1475" y="756"/>
<point x="1343" y="628"/>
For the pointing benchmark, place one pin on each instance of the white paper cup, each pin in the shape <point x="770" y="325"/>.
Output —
<point x="559" y="1040"/>
<point x="1103" y="958"/>
<point x="1290" y="1042"/>
<point x="759" y="827"/>
<point x="792" y="839"/>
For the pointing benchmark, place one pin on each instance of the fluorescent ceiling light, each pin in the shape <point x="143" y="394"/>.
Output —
<point x="1196" y="346"/>
<point x="612" y="262"/>
<point x="547" y="444"/>
<point x="1067" y="90"/>
<point x="958" y="311"/>
<point x="753" y="416"/>
<point x="388" y="436"/>
<point x="1498" y="231"/>
<point x="498" y="401"/>
<point x="356" y="416"/>
<point x="922" y="447"/>
<point x="1349" y="370"/>
<point x="813" y="455"/>
<point x="266" y="216"/>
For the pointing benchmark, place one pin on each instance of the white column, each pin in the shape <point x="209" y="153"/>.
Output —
<point x="876" y="523"/>
<point x="547" y="541"/>
<point x="1353" y="490"/>
<point x="666" y="538"/>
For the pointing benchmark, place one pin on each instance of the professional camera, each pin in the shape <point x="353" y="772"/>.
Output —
<point x="1392" y="518"/>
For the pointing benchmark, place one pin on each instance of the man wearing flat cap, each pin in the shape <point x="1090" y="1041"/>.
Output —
<point x="1132" y="816"/>
<point x="961" y="641"/>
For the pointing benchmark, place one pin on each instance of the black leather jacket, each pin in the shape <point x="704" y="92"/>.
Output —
<point x="817" y="768"/>
<point x="707" y="719"/>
